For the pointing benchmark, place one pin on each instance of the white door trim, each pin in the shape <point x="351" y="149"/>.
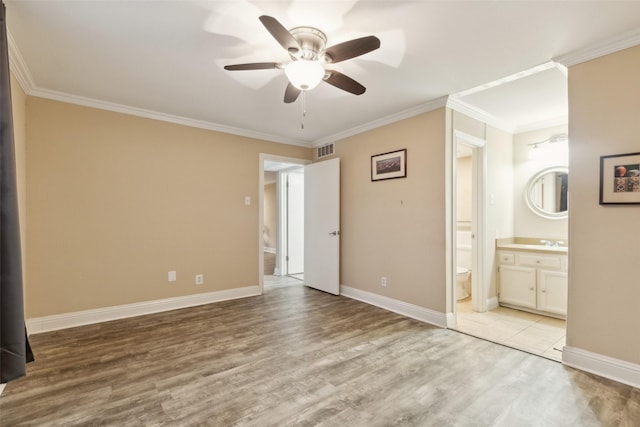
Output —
<point x="282" y="220"/>
<point x="479" y="283"/>
<point x="478" y="241"/>
<point x="262" y="158"/>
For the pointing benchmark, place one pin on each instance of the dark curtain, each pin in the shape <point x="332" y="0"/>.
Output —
<point x="14" y="344"/>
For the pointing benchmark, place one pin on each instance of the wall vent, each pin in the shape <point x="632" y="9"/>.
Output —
<point x="325" y="150"/>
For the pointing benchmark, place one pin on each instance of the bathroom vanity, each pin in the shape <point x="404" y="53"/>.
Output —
<point x="533" y="277"/>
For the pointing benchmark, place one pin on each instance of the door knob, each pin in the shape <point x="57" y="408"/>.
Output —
<point x="334" y="233"/>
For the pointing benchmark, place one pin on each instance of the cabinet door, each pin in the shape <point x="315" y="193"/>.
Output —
<point x="518" y="285"/>
<point x="552" y="291"/>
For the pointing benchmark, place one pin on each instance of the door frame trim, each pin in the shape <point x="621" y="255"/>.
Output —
<point x="478" y="226"/>
<point x="479" y="287"/>
<point x="262" y="158"/>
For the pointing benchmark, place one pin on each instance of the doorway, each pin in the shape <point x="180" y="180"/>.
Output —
<point x="469" y="214"/>
<point x="290" y="214"/>
<point x="281" y="220"/>
<point x="477" y="314"/>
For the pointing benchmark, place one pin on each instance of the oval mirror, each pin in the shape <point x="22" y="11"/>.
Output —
<point x="546" y="193"/>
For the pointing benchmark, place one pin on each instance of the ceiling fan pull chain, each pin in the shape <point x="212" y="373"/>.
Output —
<point x="304" y="108"/>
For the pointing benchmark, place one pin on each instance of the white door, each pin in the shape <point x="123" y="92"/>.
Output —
<point x="322" y="226"/>
<point x="295" y="222"/>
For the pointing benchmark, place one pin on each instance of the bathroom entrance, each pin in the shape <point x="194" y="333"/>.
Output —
<point x="469" y="224"/>
<point x="521" y="300"/>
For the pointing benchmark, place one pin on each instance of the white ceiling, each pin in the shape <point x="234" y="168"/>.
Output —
<point x="165" y="59"/>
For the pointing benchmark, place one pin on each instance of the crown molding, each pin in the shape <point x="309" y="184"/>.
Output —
<point x="624" y="41"/>
<point x="18" y="66"/>
<point x="479" y="114"/>
<point x="396" y="117"/>
<point x="483" y="116"/>
<point x="510" y="78"/>
<point x="22" y="74"/>
<point x="149" y="114"/>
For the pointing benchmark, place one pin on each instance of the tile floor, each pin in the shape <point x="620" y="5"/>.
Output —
<point x="534" y="333"/>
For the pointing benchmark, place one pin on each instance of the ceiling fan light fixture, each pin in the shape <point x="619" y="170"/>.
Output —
<point x="304" y="74"/>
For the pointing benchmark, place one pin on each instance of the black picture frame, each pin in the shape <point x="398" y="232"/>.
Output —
<point x="389" y="165"/>
<point x="620" y="179"/>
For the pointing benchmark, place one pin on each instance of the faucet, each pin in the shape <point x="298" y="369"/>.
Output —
<point x="552" y="243"/>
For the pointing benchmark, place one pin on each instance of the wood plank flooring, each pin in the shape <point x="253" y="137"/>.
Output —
<point x="297" y="356"/>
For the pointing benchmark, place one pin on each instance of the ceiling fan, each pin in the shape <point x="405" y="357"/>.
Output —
<point x="307" y="48"/>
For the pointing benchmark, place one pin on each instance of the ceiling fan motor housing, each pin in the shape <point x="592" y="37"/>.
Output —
<point x="312" y="43"/>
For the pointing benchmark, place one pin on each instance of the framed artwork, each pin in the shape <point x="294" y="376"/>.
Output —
<point x="620" y="179"/>
<point x="389" y="165"/>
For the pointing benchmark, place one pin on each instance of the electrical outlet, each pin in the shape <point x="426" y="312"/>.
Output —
<point x="171" y="276"/>
<point x="383" y="281"/>
<point x="199" y="279"/>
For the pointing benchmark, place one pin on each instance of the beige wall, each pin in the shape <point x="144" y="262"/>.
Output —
<point x="396" y="228"/>
<point x="270" y="215"/>
<point x="604" y="107"/>
<point x="116" y="201"/>
<point x="18" y="107"/>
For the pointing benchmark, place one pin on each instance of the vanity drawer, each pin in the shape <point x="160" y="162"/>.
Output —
<point x="506" y="258"/>
<point x="540" y="261"/>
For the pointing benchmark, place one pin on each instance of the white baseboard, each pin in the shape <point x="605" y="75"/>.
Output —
<point x="2" y="388"/>
<point x="79" y="318"/>
<point x="397" y="306"/>
<point x="492" y="303"/>
<point x="604" y="366"/>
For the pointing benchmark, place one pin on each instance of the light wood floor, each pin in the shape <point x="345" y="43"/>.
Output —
<point x="296" y="356"/>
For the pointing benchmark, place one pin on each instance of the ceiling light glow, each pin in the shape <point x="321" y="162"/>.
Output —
<point x="303" y="74"/>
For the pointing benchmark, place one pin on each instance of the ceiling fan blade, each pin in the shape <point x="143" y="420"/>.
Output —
<point x="252" y="66"/>
<point x="291" y="93"/>
<point x="352" y="48"/>
<point x="346" y="83"/>
<point x="280" y="33"/>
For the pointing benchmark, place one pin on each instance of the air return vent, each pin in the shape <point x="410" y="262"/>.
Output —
<point x="325" y="150"/>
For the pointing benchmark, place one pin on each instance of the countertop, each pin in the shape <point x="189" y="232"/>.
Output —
<point x="533" y="248"/>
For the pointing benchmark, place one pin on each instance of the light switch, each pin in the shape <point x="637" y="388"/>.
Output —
<point x="247" y="200"/>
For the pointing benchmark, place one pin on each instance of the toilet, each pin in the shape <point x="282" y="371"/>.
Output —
<point x="462" y="275"/>
<point x="463" y="267"/>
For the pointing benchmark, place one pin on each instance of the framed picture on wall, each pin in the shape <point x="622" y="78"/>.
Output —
<point x="620" y="179"/>
<point x="389" y="165"/>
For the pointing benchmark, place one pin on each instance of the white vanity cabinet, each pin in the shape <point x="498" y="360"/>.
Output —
<point x="535" y="281"/>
